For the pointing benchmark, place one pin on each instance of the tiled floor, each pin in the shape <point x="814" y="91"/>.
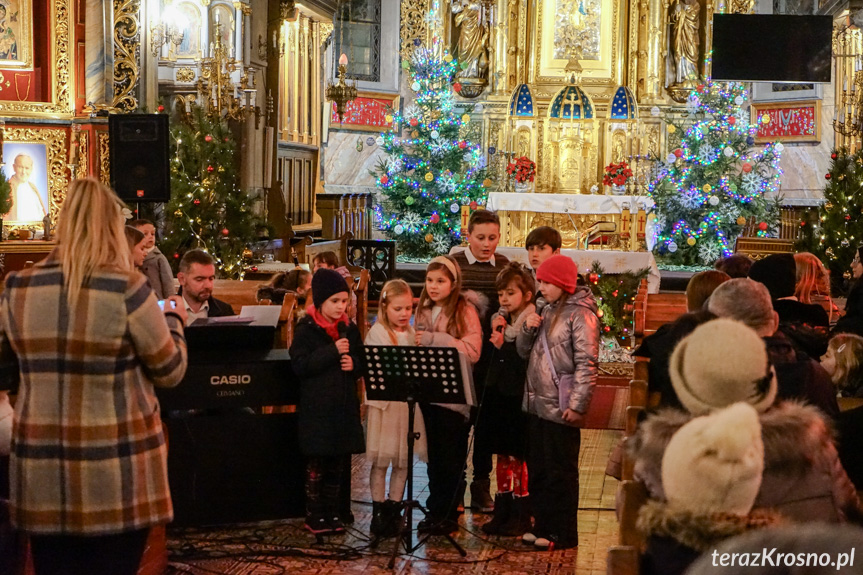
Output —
<point x="284" y="547"/>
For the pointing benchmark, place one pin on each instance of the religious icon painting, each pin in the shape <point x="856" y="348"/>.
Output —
<point x="16" y="34"/>
<point x="26" y="168"/>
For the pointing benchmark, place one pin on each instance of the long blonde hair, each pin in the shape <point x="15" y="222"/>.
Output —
<point x="812" y="278"/>
<point x="392" y="289"/>
<point x="90" y="235"/>
<point x="848" y="353"/>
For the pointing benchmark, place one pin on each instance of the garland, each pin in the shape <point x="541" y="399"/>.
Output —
<point x="615" y="294"/>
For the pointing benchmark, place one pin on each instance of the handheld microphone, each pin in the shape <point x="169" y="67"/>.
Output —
<point x="343" y="331"/>
<point x="504" y="314"/>
<point x="540" y="305"/>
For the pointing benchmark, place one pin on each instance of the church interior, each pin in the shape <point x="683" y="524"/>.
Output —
<point x="275" y="135"/>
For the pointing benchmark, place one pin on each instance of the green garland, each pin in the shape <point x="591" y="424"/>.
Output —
<point x="615" y="294"/>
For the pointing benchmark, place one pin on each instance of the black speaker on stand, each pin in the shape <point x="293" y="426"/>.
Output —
<point x="140" y="164"/>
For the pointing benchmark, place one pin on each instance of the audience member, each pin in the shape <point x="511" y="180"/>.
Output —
<point x="813" y="283"/>
<point x="852" y="320"/>
<point x="799" y="376"/>
<point x="156" y="266"/>
<point x="330" y="261"/>
<point x="135" y="239"/>
<point x="480" y="265"/>
<point x="196" y="276"/>
<point x="711" y="471"/>
<point x="89" y="462"/>
<point x="844" y="363"/>
<point x="811" y="549"/>
<point x="297" y="281"/>
<point x="724" y="362"/>
<point x="659" y="345"/>
<point x="806" y="325"/>
<point x="542" y="243"/>
<point x="735" y="265"/>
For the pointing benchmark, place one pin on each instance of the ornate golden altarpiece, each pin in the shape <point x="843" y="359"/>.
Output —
<point x="549" y="77"/>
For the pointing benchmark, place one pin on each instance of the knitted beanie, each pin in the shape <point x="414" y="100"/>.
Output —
<point x="720" y="363"/>
<point x="778" y="272"/>
<point x="559" y="270"/>
<point x="714" y="463"/>
<point x="325" y="284"/>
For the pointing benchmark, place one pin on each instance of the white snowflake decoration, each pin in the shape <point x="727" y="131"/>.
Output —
<point x="438" y="148"/>
<point x="394" y="164"/>
<point x="743" y="118"/>
<point x="707" y="153"/>
<point x="441" y="243"/>
<point x="690" y="199"/>
<point x="751" y="183"/>
<point x="692" y="104"/>
<point x="448" y="184"/>
<point x="412" y="221"/>
<point x="729" y="211"/>
<point x="709" y="252"/>
<point x="412" y="111"/>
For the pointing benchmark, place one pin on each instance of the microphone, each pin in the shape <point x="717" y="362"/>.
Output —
<point x="504" y="314"/>
<point x="540" y="305"/>
<point x="343" y="331"/>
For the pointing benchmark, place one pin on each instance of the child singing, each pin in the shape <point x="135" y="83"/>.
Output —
<point x="503" y="423"/>
<point x="387" y="427"/>
<point x="326" y="356"/>
<point x="445" y="318"/>
<point x="562" y="346"/>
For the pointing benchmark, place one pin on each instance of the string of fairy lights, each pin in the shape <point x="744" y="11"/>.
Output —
<point x="713" y="183"/>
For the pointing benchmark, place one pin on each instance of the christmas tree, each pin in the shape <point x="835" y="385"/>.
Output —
<point x="207" y="210"/>
<point x="433" y="166"/>
<point x="713" y="183"/>
<point x="837" y="229"/>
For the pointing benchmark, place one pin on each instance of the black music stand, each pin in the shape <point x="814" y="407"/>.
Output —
<point x="417" y="375"/>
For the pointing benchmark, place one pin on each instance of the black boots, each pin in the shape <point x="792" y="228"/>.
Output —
<point x="480" y="496"/>
<point x="519" y="517"/>
<point x="503" y="503"/>
<point x="386" y="518"/>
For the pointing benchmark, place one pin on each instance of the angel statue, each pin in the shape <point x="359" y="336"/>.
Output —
<point x="473" y="35"/>
<point x="684" y="19"/>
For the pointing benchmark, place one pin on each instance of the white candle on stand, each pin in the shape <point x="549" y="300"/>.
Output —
<point x="343" y="60"/>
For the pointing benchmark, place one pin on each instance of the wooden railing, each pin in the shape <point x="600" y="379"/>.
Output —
<point x="346" y="209"/>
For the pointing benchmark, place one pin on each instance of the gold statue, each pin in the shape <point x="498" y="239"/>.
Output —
<point x="684" y="19"/>
<point x="473" y="34"/>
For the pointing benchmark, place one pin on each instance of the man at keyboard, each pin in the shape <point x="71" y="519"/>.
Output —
<point x="196" y="276"/>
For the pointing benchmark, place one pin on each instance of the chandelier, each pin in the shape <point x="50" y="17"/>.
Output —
<point x="216" y="88"/>
<point x="341" y="92"/>
<point x="168" y="32"/>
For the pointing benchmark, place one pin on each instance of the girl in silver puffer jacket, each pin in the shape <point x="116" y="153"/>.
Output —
<point x="562" y="346"/>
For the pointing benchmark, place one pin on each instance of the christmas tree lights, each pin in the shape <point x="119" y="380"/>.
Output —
<point x="713" y="183"/>
<point x="207" y="210"/>
<point x="434" y="165"/>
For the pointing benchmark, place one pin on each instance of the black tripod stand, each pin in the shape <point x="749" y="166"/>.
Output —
<point x="412" y="375"/>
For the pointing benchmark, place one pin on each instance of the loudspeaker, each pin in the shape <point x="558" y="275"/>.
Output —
<point x="140" y="168"/>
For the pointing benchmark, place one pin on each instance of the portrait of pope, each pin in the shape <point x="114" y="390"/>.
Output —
<point x="28" y="182"/>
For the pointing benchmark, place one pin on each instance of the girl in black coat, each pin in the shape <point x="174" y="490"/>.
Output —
<point x="328" y="364"/>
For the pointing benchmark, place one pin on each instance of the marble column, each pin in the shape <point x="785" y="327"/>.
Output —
<point x="99" y="51"/>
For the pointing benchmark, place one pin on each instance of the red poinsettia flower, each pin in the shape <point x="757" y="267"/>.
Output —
<point x="522" y="170"/>
<point x="616" y="174"/>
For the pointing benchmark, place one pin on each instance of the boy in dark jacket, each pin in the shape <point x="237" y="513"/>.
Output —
<point x="326" y="355"/>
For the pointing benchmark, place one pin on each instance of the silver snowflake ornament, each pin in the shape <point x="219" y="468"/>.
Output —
<point x="751" y="182"/>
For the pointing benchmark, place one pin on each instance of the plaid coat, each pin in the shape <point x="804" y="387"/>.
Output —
<point x="88" y="452"/>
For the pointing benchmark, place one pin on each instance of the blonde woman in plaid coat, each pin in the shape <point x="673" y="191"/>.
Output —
<point x="88" y="465"/>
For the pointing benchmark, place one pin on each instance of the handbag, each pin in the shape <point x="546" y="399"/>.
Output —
<point x="564" y="384"/>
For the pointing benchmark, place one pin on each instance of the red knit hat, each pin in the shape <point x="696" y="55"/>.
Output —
<point x="559" y="270"/>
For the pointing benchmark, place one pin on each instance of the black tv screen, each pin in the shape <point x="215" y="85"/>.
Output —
<point x="772" y="48"/>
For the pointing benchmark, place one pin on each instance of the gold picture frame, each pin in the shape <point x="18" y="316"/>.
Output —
<point x="60" y="102"/>
<point x="363" y="99"/>
<point x="55" y="169"/>
<point x="605" y="63"/>
<point x="16" y="34"/>
<point x="790" y="121"/>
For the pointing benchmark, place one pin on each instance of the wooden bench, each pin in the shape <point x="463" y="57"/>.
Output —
<point x="652" y="311"/>
<point x="623" y="559"/>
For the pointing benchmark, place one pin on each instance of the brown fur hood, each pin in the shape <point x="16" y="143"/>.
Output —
<point x="699" y="531"/>
<point x="793" y="434"/>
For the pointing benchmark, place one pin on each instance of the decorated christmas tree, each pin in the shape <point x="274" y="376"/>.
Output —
<point x="434" y="165"/>
<point x="207" y="210"/>
<point x="835" y="231"/>
<point x="713" y="183"/>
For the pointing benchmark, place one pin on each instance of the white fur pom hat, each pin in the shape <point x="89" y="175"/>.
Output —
<point x="720" y="363"/>
<point x="714" y="463"/>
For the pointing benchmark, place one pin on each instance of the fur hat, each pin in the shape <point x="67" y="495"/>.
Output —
<point x="559" y="270"/>
<point x="720" y="363"/>
<point x="778" y="272"/>
<point x="714" y="463"/>
<point x="325" y="284"/>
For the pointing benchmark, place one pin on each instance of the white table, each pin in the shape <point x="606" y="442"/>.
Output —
<point x="611" y="261"/>
<point x="565" y="203"/>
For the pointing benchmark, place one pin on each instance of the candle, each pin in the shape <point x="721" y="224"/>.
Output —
<point x="217" y="17"/>
<point x="343" y="60"/>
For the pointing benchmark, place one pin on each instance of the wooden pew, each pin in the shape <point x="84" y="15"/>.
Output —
<point x="623" y="559"/>
<point x="237" y="293"/>
<point x="362" y="292"/>
<point x="651" y="311"/>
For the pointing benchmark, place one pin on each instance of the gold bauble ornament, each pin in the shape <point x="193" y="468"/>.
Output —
<point x="447" y="58"/>
<point x="841" y="177"/>
<point x="178" y="213"/>
<point x="690" y="241"/>
<point x="389" y="119"/>
<point x="828" y="206"/>
<point x="706" y="188"/>
<point x="465" y="119"/>
<point x="487" y="183"/>
<point x="415" y="134"/>
<point x="429" y="238"/>
<point x="741" y="221"/>
<point x="670" y="128"/>
<point x="765" y="119"/>
<point x="429" y="177"/>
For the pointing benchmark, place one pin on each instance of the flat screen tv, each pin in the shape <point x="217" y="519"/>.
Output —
<point x="772" y="48"/>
